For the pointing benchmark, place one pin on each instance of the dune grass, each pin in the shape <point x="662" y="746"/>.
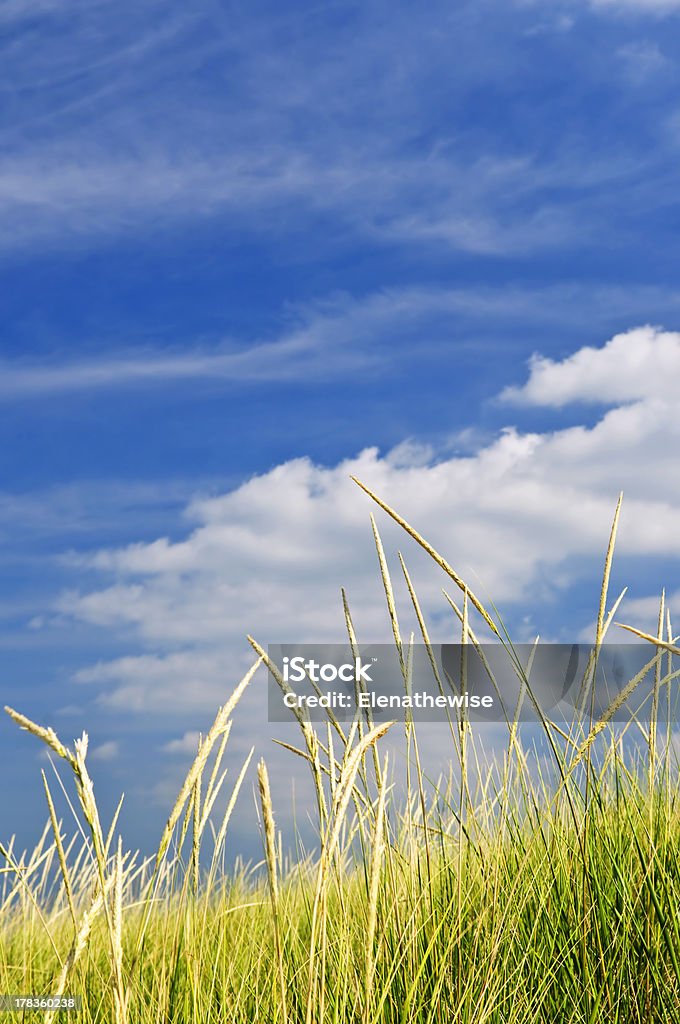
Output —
<point x="521" y="890"/>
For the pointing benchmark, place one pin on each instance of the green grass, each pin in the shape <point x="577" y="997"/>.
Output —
<point x="531" y="889"/>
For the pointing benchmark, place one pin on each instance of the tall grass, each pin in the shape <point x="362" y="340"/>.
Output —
<point x="522" y="889"/>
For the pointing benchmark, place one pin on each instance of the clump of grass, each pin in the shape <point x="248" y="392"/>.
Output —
<point x="538" y="887"/>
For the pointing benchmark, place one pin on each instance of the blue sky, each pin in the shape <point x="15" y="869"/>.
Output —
<point x="245" y="251"/>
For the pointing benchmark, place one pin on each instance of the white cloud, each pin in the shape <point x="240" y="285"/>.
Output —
<point x="520" y="519"/>
<point x="183" y="680"/>
<point x="651" y="6"/>
<point x="186" y="744"/>
<point x="105" y="751"/>
<point x="641" y="612"/>
<point x="640" y="364"/>
<point x="642" y="60"/>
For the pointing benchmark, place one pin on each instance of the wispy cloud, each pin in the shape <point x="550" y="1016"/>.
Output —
<point x="135" y="135"/>
<point x="341" y="335"/>
<point x="20" y="10"/>
<point x="105" y="752"/>
<point x="611" y="7"/>
<point x="126" y="93"/>
<point x="86" y="509"/>
<point x="262" y="362"/>
<point x="644" y="6"/>
<point x="643" y="60"/>
<point x="470" y="206"/>
<point x="328" y="338"/>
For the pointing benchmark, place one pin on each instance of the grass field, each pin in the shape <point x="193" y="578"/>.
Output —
<point x="522" y="890"/>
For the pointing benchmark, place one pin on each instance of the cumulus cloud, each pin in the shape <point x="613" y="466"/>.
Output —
<point x="183" y="680"/>
<point x="522" y="519"/>
<point x="638" y="364"/>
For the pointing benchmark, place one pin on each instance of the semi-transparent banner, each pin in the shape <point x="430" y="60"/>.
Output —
<point x="483" y="683"/>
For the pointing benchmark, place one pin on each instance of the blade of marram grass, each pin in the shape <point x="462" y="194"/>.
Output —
<point x="117" y="925"/>
<point x="655" y="703"/>
<point x="46" y="734"/>
<point x="79" y="945"/>
<point x="340" y="804"/>
<point x="441" y="562"/>
<point x="607" y="572"/>
<point x="272" y="873"/>
<point x="667" y="645"/>
<point x="389" y="593"/>
<point x="219" y="725"/>
<point x="359" y="687"/>
<point x="85" y="790"/>
<point x="377" y="854"/>
<point x="609" y="557"/>
<point x="60" y="852"/>
<point x="616" y="705"/>
<point x="310" y="737"/>
<point x="216" y="766"/>
<point x="22" y="878"/>
<point x="114" y="822"/>
<point x="230" y="808"/>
